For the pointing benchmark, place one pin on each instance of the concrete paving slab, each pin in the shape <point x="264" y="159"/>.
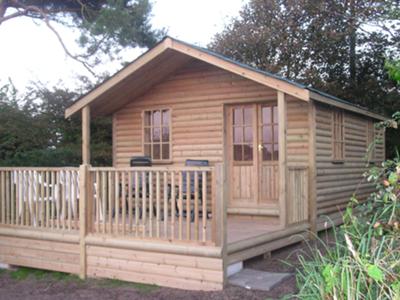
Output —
<point x="257" y="280"/>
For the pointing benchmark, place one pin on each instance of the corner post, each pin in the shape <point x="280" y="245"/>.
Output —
<point x="86" y="135"/>
<point x="282" y="123"/>
<point x="220" y="209"/>
<point x="312" y="178"/>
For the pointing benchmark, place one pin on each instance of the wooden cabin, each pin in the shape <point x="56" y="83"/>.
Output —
<point x="280" y="160"/>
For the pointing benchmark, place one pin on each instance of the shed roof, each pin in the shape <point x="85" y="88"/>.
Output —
<point x="170" y="54"/>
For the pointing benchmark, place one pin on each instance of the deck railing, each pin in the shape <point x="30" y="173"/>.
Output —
<point x="40" y="198"/>
<point x="167" y="203"/>
<point x="175" y="204"/>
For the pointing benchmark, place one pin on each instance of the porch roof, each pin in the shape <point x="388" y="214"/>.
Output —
<point x="170" y="54"/>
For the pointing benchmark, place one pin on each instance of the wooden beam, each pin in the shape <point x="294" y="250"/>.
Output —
<point x="117" y="78"/>
<point x="83" y="217"/>
<point x="270" y="81"/>
<point x="312" y="182"/>
<point x="282" y="123"/>
<point x="86" y="135"/>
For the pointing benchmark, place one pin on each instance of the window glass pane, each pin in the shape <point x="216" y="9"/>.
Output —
<point x="267" y="134"/>
<point x="275" y="116"/>
<point x="267" y="152"/>
<point x="237" y="152"/>
<point x="248" y="115"/>
<point x="147" y="135"/>
<point x="165" y="117"/>
<point x="248" y="134"/>
<point x="238" y="135"/>
<point x="156" y="118"/>
<point x="147" y="150"/>
<point x="237" y="116"/>
<point x="266" y="115"/>
<point x="276" y="151"/>
<point x="248" y="152"/>
<point x="276" y="133"/>
<point x="156" y="151"/>
<point x="147" y="118"/>
<point x="165" y="151"/>
<point x="156" y="134"/>
<point x="165" y="134"/>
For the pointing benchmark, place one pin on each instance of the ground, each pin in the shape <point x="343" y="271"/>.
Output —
<point x="35" y="284"/>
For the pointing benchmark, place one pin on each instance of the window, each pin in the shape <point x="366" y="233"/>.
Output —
<point x="157" y="134"/>
<point x="243" y="133"/>
<point x="338" y="135"/>
<point x="370" y="139"/>
<point x="270" y="132"/>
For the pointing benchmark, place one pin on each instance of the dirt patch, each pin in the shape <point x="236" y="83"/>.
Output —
<point x="36" y="284"/>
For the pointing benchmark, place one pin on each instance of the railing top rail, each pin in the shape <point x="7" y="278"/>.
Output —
<point x="39" y="169"/>
<point x="153" y="168"/>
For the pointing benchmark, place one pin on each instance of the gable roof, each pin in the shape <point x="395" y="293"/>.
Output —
<point x="169" y="55"/>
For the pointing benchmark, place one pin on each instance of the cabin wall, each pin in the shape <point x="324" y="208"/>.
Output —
<point x="195" y="94"/>
<point x="336" y="182"/>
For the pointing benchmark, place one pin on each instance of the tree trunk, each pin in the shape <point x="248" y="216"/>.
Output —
<point x="352" y="44"/>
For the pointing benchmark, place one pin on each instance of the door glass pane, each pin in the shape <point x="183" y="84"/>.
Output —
<point x="248" y="134"/>
<point x="238" y="135"/>
<point x="237" y="153"/>
<point x="237" y="116"/>
<point x="276" y="133"/>
<point x="275" y="117"/>
<point x="267" y="152"/>
<point x="267" y="134"/>
<point x="248" y="115"/>
<point x="276" y="151"/>
<point x="248" y="152"/>
<point x="266" y="115"/>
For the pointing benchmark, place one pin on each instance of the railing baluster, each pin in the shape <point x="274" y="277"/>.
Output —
<point x="165" y="205"/>
<point x="110" y="193"/>
<point x="188" y="212"/>
<point x="151" y="208"/>
<point x="136" y="203"/>
<point x="158" y="203"/>
<point x="116" y="211"/>
<point x="104" y="199"/>
<point x="196" y="206"/>
<point x="8" y="204"/>
<point x="172" y="194"/>
<point x="130" y="205"/>
<point x="204" y="204"/>
<point x="144" y="206"/>
<point x="180" y="205"/>
<point x="97" y="201"/>
<point x="123" y="202"/>
<point x="42" y="208"/>
<point x="2" y="197"/>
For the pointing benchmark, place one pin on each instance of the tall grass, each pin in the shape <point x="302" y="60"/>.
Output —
<point x="363" y="262"/>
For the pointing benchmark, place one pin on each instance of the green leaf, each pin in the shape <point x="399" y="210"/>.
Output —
<point x="375" y="272"/>
<point x="393" y="178"/>
<point x="329" y="273"/>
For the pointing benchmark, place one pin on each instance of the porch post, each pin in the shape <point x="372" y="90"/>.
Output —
<point x="282" y="123"/>
<point x="86" y="135"/>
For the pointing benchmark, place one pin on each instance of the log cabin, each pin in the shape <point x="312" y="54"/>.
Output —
<point x="235" y="163"/>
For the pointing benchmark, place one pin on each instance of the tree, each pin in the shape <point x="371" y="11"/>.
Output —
<point x="106" y="26"/>
<point x="338" y="46"/>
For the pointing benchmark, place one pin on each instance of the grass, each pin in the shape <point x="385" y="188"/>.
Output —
<point x="23" y="273"/>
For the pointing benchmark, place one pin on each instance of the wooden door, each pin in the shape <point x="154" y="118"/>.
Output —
<point x="253" y="155"/>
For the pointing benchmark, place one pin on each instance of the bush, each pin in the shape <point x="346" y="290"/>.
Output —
<point x="364" y="263"/>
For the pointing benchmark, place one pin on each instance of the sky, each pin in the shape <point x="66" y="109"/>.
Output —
<point x="29" y="52"/>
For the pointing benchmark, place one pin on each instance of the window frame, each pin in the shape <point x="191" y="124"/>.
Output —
<point x="161" y="143"/>
<point x="243" y="127"/>
<point x="273" y="124"/>
<point x="338" y="128"/>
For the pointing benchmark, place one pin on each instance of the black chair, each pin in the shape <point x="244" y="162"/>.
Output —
<point x="191" y="194"/>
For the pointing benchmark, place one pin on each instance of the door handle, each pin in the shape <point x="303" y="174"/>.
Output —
<point x="260" y="147"/>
